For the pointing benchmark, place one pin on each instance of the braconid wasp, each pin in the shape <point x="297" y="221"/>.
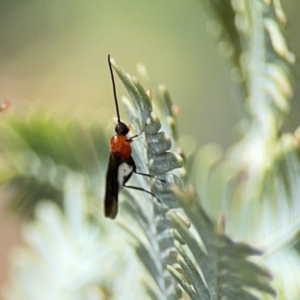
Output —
<point x="121" y="164"/>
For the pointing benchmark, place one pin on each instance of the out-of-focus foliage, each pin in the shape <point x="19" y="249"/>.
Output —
<point x="256" y="183"/>
<point x="68" y="256"/>
<point x="39" y="151"/>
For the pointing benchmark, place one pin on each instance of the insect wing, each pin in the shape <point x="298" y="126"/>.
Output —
<point x="112" y="187"/>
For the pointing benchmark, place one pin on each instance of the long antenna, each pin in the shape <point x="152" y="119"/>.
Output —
<point x="114" y="88"/>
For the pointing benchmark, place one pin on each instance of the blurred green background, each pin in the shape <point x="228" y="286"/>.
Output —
<point x="54" y="54"/>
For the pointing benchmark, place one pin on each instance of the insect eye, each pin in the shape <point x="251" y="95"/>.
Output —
<point x="121" y="129"/>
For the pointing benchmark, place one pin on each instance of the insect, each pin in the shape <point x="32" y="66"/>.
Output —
<point x="5" y="105"/>
<point x="121" y="164"/>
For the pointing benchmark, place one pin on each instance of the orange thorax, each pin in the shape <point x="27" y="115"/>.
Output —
<point x="120" y="146"/>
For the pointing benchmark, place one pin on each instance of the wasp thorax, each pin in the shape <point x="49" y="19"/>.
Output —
<point x="121" y="129"/>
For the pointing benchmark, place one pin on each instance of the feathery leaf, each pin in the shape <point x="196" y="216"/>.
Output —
<point x="224" y="264"/>
<point x="152" y="156"/>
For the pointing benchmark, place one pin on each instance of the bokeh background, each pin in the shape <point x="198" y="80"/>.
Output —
<point x="53" y="54"/>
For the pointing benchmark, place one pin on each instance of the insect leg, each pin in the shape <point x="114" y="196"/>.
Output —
<point x="149" y="175"/>
<point x="141" y="189"/>
<point x="137" y="135"/>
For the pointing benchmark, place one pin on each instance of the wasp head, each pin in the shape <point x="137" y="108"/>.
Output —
<point x="121" y="129"/>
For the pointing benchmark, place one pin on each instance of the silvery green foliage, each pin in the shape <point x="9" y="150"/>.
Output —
<point x="153" y="236"/>
<point x="256" y="182"/>
<point x="63" y="252"/>
<point x="67" y="256"/>
<point x="38" y="151"/>
<point x="227" y="267"/>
